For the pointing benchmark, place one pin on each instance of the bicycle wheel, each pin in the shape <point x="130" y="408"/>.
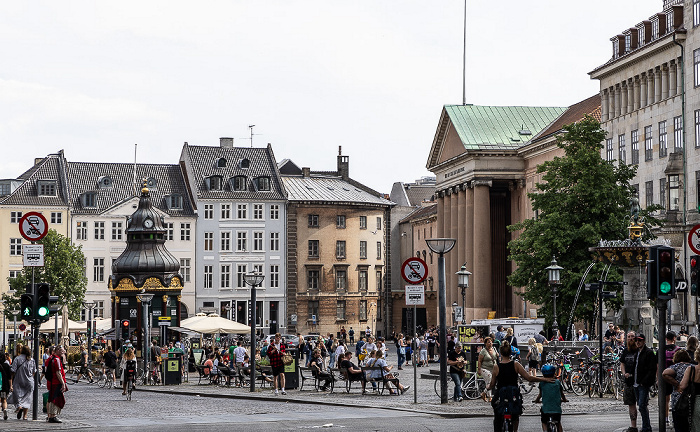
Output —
<point x="578" y="382"/>
<point x="473" y="387"/>
<point x="129" y="388"/>
<point x="101" y="379"/>
<point x="525" y="387"/>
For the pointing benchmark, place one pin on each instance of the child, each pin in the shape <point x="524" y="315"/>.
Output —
<point x="552" y="395"/>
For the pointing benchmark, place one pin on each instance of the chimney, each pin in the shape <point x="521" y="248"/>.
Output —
<point x="634" y="38"/>
<point x="226" y="142"/>
<point x="343" y="164"/>
<point x="306" y="172"/>
<point x="38" y="160"/>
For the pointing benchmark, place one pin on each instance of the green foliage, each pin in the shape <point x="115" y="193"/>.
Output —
<point x="64" y="270"/>
<point x="581" y="200"/>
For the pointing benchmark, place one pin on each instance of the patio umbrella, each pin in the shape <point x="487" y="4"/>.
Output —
<point x="67" y="326"/>
<point x="213" y="324"/>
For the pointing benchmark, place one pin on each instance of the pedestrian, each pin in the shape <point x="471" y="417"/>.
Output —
<point x="368" y="332"/>
<point x="628" y="361"/>
<point x="110" y="360"/>
<point x="541" y="337"/>
<point x="533" y="356"/>
<point x="457" y="359"/>
<point x="692" y="377"/>
<point x="500" y="334"/>
<point x="6" y="374"/>
<point x="351" y="333"/>
<point x="318" y="370"/>
<point x="610" y="335"/>
<point x="56" y="384"/>
<point x="671" y="349"/>
<point x="552" y="395"/>
<point x="510" y="338"/>
<point x="673" y="376"/>
<point x="691" y="345"/>
<point x="22" y="385"/>
<point x="423" y="350"/>
<point x="275" y="356"/>
<point x="400" y="350"/>
<point x="488" y="357"/>
<point x="343" y="334"/>
<point x="644" y="378"/>
<point x="431" y="346"/>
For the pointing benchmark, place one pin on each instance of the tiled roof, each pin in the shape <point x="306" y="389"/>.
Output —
<point x="262" y="163"/>
<point x="51" y="167"/>
<point x="85" y="176"/>
<point x="419" y="193"/>
<point x="573" y="114"/>
<point x="421" y="213"/>
<point x="494" y="127"/>
<point x="328" y="189"/>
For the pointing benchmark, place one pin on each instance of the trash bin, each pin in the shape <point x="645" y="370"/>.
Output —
<point x="172" y="373"/>
<point x="291" y="372"/>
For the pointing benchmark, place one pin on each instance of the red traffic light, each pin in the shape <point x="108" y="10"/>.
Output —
<point x="125" y="323"/>
<point x="693" y="262"/>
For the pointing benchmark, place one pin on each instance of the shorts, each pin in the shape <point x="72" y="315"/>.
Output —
<point x="628" y="397"/>
<point x="277" y="370"/>
<point x="533" y="364"/>
<point x="546" y="416"/>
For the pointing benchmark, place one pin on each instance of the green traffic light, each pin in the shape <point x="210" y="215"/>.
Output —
<point x="27" y="312"/>
<point x="665" y="287"/>
<point x="43" y="311"/>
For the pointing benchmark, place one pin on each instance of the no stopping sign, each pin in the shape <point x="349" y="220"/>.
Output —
<point x="414" y="270"/>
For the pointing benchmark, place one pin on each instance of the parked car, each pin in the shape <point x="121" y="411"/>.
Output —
<point x="291" y="340"/>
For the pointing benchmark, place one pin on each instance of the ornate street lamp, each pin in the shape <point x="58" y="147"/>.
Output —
<point x="14" y="313"/>
<point x="89" y="305"/>
<point x="254" y="280"/>
<point x="441" y="246"/>
<point x="554" y="273"/>
<point x="463" y="283"/>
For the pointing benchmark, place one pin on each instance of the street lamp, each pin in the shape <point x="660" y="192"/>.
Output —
<point x="463" y="283"/>
<point x="441" y="246"/>
<point x="88" y="305"/>
<point x="253" y="279"/>
<point x="14" y="313"/>
<point x="145" y="299"/>
<point x="554" y="273"/>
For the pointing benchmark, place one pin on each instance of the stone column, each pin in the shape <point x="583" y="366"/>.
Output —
<point x="618" y="105"/>
<point x="679" y="77"/>
<point x="603" y="106"/>
<point x="657" y="84"/>
<point x="441" y="216"/>
<point x="672" y="81"/>
<point x="623" y="98"/>
<point x="664" y="82"/>
<point x="630" y="95"/>
<point x="483" y="290"/>
<point x="469" y="248"/>
<point x="636" y="94"/>
<point x="643" y="91"/>
<point x="650" y="87"/>
<point x="452" y="265"/>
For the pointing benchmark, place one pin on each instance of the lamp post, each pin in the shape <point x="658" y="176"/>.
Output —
<point x="441" y="246"/>
<point x="253" y="279"/>
<point x="554" y="273"/>
<point x="89" y="305"/>
<point x="463" y="283"/>
<point x="14" y="313"/>
<point x="145" y="299"/>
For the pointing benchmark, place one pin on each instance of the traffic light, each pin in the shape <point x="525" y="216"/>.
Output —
<point x="665" y="264"/>
<point x="43" y="301"/>
<point x="125" y="329"/>
<point x="651" y="276"/>
<point x="27" y="307"/>
<point x="694" y="274"/>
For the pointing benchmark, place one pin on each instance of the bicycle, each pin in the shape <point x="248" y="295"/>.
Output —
<point x="129" y="387"/>
<point x="472" y="386"/>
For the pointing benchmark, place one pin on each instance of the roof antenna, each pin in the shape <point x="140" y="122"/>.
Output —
<point x="136" y="186"/>
<point x="464" y="58"/>
<point x="251" y="135"/>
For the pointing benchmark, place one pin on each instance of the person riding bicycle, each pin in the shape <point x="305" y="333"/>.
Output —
<point x="552" y="395"/>
<point x="129" y="370"/>
<point x="84" y="371"/>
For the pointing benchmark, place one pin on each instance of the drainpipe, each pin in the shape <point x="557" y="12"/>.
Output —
<point x="685" y="159"/>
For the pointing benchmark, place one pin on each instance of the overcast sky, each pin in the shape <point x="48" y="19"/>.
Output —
<point x="94" y="78"/>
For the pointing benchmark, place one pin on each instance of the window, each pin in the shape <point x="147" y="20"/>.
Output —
<point x="98" y="270"/>
<point x="208" y="211"/>
<point x="240" y="183"/>
<point x="5" y="189"/>
<point x="340" y="310"/>
<point x="225" y="211"/>
<point x="313" y="221"/>
<point x="696" y="66"/>
<point x="363" y="249"/>
<point x="170" y="231"/>
<point x="174" y="201"/>
<point x="662" y="193"/>
<point x="116" y="230"/>
<point x="225" y="241"/>
<point x="363" y="222"/>
<point x="362" y="280"/>
<point x="99" y="230"/>
<point x="99" y="310"/>
<point x="379" y="223"/>
<point x="312" y="279"/>
<point x="635" y="147"/>
<point x="340" y="221"/>
<point x="262" y="183"/>
<point x="649" y="189"/>
<point x="89" y="199"/>
<point x="208" y="276"/>
<point x="379" y="250"/>
<point x="609" y="149"/>
<point x="663" y="143"/>
<point x="15" y="216"/>
<point x="697" y="128"/>
<point x="242" y="211"/>
<point x="185" y="269"/>
<point x="56" y="218"/>
<point x="14" y="273"/>
<point x="379" y="280"/>
<point x="15" y="246"/>
<point x="274" y="241"/>
<point x="81" y="230"/>
<point x="648" y="144"/>
<point x="242" y="241"/>
<point x="46" y="188"/>
<point x="185" y="231"/>
<point x="340" y="249"/>
<point x="696" y="12"/>
<point x="274" y="211"/>
<point x="673" y="192"/>
<point x="258" y="268"/>
<point x="214" y="183"/>
<point x="621" y="150"/>
<point x="241" y="270"/>
<point x="274" y="276"/>
<point x="258" y="211"/>
<point x="341" y="279"/>
<point x="678" y="133"/>
<point x="221" y="163"/>
<point x="258" y="241"/>
<point x="225" y="276"/>
<point x="313" y="310"/>
<point x="363" y="310"/>
<point x="313" y="249"/>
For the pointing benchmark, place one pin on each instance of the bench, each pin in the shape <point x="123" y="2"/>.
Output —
<point x="202" y="374"/>
<point x="305" y="374"/>
<point x="367" y="370"/>
<point x="227" y="373"/>
<point x="344" y="376"/>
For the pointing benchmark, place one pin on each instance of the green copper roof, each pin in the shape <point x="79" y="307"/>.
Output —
<point x="495" y="127"/>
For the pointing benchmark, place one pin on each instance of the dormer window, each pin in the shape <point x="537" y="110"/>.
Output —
<point x="5" y="188"/>
<point x="104" y="182"/>
<point x="151" y="183"/>
<point x="214" y="183"/>
<point x="262" y="183"/>
<point x="174" y="201"/>
<point x="46" y="187"/>
<point x="244" y="163"/>
<point x="240" y="183"/>
<point x="88" y="200"/>
<point x="221" y="163"/>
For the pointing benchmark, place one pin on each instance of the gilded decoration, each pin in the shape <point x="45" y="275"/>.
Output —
<point x="151" y="284"/>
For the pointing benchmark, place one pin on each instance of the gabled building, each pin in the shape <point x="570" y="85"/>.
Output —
<point x="338" y="236"/>
<point x="241" y="203"/>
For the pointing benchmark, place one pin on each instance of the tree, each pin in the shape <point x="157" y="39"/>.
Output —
<point x="64" y="270"/>
<point x="581" y="200"/>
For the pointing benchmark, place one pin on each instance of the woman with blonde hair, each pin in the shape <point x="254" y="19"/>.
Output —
<point x="533" y="357"/>
<point x="128" y="367"/>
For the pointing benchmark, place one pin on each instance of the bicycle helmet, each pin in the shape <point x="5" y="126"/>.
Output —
<point x="514" y="351"/>
<point x="548" y="370"/>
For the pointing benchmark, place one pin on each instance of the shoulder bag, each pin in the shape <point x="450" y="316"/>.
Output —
<point x="687" y="398"/>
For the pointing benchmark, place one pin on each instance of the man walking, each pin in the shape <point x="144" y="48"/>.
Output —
<point x="628" y="361"/>
<point x="644" y="377"/>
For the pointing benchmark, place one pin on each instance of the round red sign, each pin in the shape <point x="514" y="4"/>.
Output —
<point x="414" y="270"/>
<point x="33" y="226"/>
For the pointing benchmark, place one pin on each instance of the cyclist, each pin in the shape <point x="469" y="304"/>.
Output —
<point x="129" y="369"/>
<point x="84" y="371"/>
<point x="110" y="360"/>
<point x="552" y="395"/>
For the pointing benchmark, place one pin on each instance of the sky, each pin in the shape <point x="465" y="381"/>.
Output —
<point x="95" y="78"/>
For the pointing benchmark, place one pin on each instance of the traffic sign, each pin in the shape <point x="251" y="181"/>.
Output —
<point x="694" y="239"/>
<point x="33" y="255"/>
<point x="414" y="270"/>
<point x="415" y="295"/>
<point x="33" y="226"/>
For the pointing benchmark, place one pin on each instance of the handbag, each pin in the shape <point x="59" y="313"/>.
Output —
<point x="287" y="359"/>
<point x="688" y="396"/>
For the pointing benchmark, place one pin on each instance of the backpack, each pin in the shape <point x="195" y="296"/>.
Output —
<point x="669" y="356"/>
<point x="534" y="353"/>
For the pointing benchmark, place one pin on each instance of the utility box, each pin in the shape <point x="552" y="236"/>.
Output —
<point x="172" y="373"/>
